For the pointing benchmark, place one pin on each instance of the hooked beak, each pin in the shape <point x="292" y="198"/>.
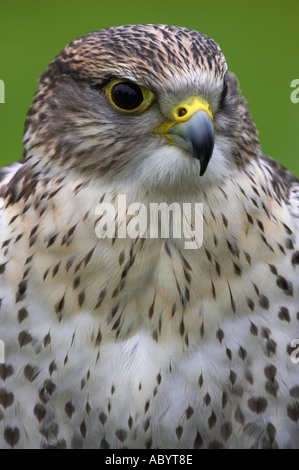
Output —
<point x="192" y="130"/>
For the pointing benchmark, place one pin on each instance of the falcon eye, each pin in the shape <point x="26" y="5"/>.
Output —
<point x="128" y="97"/>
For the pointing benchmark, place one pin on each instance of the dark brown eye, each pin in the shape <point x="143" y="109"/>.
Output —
<point x="127" y="96"/>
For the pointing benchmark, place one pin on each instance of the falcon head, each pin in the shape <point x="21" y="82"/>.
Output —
<point x="152" y="104"/>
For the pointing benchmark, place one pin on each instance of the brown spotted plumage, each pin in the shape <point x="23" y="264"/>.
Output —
<point x="139" y="342"/>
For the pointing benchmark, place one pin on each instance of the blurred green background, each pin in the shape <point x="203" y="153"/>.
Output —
<point x="260" y="40"/>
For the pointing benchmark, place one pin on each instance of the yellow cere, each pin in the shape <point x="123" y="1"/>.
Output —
<point x="184" y="111"/>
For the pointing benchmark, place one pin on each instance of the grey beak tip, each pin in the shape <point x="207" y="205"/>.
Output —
<point x="204" y="154"/>
<point x="197" y="136"/>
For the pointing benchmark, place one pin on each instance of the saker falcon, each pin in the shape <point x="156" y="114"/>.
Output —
<point x="139" y="342"/>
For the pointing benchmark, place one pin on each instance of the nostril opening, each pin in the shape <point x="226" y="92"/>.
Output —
<point x="182" y="112"/>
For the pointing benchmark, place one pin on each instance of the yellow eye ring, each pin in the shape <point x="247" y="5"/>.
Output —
<point x="128" y="97"/>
